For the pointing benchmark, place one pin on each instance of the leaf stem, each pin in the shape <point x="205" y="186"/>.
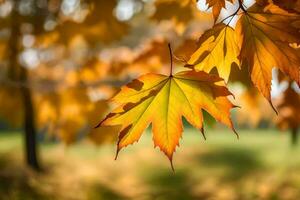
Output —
<point x="171" y="59"/>
<point x="241" y="6"/>
<point x="232" y="15"/>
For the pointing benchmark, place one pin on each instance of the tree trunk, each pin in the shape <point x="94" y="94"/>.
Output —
<point x="29" y="130"/>
<point x="294" y="136"/>
<point x="19" y="74"/>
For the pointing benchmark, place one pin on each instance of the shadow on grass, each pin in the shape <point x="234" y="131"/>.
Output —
<point x="100" y="191"/>
<point x="165" y="185"/>
<point x="237" y="162"/>
<point x="16" y="181"/>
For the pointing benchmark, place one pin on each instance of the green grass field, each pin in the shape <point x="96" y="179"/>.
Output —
<point x="260" y="165"/>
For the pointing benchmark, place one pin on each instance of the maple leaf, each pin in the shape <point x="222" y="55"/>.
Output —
<point x="265" y="35"/>
<point x="217" y="6"/>
<point x="163" y="101"/>
<point x="217" y="48"/>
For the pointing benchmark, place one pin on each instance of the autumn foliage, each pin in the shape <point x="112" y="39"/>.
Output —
<point x="262" y="39"/>
<point x="80" y="57"/>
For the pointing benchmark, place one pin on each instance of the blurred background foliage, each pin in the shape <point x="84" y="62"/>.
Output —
<point x="60" y="60"/>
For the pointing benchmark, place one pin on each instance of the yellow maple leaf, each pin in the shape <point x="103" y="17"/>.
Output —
<point x="265" y="35"/>
<point x="163" y="101"/>
<point x="217" y="48"/>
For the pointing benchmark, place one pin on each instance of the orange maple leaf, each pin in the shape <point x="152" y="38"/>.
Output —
<point x="266" y="35"/>
<point x="163" y="101"/>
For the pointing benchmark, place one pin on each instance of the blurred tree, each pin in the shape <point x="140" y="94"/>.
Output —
<point x="34" y="80"/>
<point x="18" y="73"/>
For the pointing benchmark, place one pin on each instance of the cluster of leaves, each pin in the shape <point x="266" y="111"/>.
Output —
<point x="265" y="37"/>
<point x="84" y="54"/>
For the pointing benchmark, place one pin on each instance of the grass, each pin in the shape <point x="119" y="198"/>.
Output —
<point x="260" y="165"/>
